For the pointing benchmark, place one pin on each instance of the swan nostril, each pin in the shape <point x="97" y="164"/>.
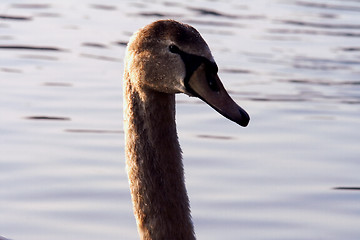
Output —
<point x="212" y="84"/>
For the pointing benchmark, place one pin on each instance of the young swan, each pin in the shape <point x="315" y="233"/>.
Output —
<point x="164" y="58"/>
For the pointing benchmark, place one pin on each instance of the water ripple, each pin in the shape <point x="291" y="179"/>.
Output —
<point x="95" y="45"/>
<point x="104" y="7"/>
<point x="25" y="47"/>
<point x="51" y="118"/>
<point x="98" y="131"/>
<point x="13" y="17"/>
<point x="313" y="32"/>
<point x="31" y="6"/>
<point x="328" y="6"/>
<point x="320" y="25"/>
<point x="99" y="57"/>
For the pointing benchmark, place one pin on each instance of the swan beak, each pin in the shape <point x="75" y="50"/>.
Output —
<point x="206" y="85"/>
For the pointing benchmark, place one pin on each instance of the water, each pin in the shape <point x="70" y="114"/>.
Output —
<point x="293" y="65"/>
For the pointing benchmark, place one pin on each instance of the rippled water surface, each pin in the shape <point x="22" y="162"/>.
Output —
<point x="293" y="173"/>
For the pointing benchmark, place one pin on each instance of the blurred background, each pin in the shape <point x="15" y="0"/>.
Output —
<point x="293" y="173"/>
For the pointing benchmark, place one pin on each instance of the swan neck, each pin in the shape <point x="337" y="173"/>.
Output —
<point x="154" y="165"/>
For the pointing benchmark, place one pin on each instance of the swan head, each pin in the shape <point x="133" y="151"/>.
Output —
<point x="172" y="57"/>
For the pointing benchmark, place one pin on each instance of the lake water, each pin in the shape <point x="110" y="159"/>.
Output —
<point x="293" y="173"/>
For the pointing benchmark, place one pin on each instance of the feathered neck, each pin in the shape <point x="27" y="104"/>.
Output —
<point x="154" y="165"/>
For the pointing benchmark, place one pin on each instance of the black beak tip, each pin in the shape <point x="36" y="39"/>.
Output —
<point x="245" y="118"/>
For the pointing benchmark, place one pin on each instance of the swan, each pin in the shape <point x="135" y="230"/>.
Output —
<point x="164" y="58"/>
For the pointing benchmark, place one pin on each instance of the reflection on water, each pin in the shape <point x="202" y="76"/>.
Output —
<point x="293" y="65"/>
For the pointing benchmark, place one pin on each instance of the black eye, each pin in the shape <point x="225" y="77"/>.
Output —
<point x="174" y="49"/>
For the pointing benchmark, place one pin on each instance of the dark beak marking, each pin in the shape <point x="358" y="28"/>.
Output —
<point x="192" y="62"/>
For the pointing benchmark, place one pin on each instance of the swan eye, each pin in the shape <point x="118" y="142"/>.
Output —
<point x="174" y="49"/>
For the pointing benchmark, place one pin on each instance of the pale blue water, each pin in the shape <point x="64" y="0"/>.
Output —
<point x="293" y="65"/>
